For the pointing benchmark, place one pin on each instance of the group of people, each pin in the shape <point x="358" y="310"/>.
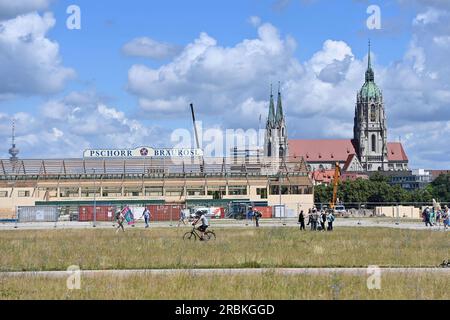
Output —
<point x="317" y="220"/>
<point x="433" y="217"/>
<point x="254" y="214"/>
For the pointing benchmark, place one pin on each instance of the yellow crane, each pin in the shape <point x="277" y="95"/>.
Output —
<point x="337" y="175"/>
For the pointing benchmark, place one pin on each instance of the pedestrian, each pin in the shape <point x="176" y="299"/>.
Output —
<point x="146" y="214"/>
<point x="330" y="219"/>
<point x="432" y="217"/>
<point x="323" y="220"/>
<point x="257" y="216"/>
<point x="182" y="217"/>
<point x="314" y="219"/>
<point x="438" y="217"/>
<point x="446" y="218"/>
<point x="427" y="217"/>
<point x="119" y="219"/>
<point x="301" y="220"/>
<point x="249" y="215"/>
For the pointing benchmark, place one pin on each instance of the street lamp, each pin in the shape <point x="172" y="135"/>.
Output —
<point x="95" y="199"/>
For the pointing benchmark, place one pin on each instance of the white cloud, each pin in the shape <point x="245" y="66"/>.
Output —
<point x="430" y="16"/>
<point x="255" y="21"/>
<point x="13" y="8"/>
<point x="149" y="48"/>
<point x="229" y="85"/>
<point x="27" y="57"/>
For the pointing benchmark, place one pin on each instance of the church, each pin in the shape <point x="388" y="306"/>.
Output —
<point x="368" y="151"/>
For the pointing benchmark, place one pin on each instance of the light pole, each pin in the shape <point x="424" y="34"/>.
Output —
<point x="95" y="199"/>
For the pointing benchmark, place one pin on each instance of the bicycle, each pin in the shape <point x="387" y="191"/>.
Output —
<point x="194" y="235"/>
<point x="445" y="264"/>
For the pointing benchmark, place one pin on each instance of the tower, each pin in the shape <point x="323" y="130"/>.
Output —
<point x="370" y="131"/>
<point x="13" y="151"/>
<point x="276" y="143"/>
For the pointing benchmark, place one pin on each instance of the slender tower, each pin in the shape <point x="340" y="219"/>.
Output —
<point x="370" y="130"/>
<point x="13" y="151"/>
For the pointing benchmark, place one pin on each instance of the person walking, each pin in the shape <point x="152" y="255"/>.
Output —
<point x="182" y="217"/>
<point x="314" y="219"/>
<point x="301" y="220"/>
<point x="323" y="220"/>
<point x="427" y="217"/>
<point x="446" y="218"/>
<point x="309" y="219"/>
<point x="249" y="215"/>
<point x="330" y="219"/>
<point x="120" y="219"/>
<point x="257" y="216"/>
<point x="146" y="214"/>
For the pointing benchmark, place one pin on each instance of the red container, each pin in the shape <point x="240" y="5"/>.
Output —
<point x="166" y="212"/>
<point x="265" y="211"/>
<point x="103" y="213"/>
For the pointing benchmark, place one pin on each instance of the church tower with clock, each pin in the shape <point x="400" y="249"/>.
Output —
<point x="370" y="130"/>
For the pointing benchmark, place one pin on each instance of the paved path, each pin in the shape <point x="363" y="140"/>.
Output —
<point x="363" y="222"/>
<point x="282" y="271"/>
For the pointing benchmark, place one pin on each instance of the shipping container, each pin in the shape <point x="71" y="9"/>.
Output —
<point x="103" y="213"/>
<point x="166" y="212"/>
<point x="38" y="214"/>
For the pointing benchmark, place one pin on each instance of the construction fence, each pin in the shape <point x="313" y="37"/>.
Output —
<point x="234" y="210"/>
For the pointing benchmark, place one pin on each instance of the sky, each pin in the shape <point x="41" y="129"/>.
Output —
<point x="125" y="78"/>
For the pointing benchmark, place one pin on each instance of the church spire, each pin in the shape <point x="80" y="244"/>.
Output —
<point x="279" y="117"/>
<point x="370" y="76"/>
<point x="271" y="118"/>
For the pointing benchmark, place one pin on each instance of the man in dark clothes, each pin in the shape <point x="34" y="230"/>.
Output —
<point x="301" y="220"/>
<point x="323" y="220"/>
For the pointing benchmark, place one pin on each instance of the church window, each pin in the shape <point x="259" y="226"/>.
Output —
<point x="373" y="113"/>
<point x="282" y="132"/>
<point x="374" y="143"/>
<point x="269" y="149"/>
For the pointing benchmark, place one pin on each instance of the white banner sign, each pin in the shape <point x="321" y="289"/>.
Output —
<point x="142" y="152"/>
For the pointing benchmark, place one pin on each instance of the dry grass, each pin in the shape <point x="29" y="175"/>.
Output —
<point x="234" y="248"/>
<point x="258" y="286"/>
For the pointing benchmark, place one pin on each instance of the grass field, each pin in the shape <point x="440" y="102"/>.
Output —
<point x="230" y="287"/>
<point x="234" y="248"/>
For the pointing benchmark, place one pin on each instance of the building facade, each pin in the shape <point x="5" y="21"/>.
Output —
<point x="191" y="182"/>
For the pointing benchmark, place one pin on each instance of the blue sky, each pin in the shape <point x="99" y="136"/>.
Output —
<point x="100" y="87"/>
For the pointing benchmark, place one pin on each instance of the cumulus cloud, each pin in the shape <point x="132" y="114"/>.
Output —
<point x="230" y="85"/>
<point x="217" y="79"/>
<point x="27" y="57"/>
<point x="149" y="48"/>
<point x="11" y="9"/>
<point x="73" y="127"/>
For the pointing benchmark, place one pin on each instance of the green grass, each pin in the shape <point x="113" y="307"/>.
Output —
<point x="23" y="250"/>
<point x="230" y="287"/>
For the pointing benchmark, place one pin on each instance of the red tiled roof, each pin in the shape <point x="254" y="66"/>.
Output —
<point x="322" y="150"/>
<point x="396" y="152"/>
<point x="325" y="176"/>
<point x="328" y="150"/>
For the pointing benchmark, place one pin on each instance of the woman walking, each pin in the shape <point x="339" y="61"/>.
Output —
<point x="301" y="220"/>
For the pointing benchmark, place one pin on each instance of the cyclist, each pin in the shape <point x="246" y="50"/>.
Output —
<point x="200" y="216"/>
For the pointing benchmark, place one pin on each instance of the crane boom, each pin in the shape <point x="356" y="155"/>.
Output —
<point x="337" y="174"/>
<point x="202" y="165"/>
